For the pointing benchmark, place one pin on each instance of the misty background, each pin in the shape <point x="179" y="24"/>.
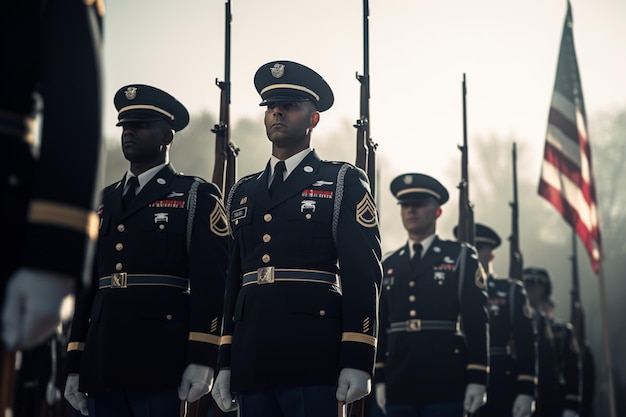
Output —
<point x="545" y="238"/>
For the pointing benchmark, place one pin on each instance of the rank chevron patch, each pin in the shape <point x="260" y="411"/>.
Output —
<point x="366" y="214"/>
<point x="219" y="224"/>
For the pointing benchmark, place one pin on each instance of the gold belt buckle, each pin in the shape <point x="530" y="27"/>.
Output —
<point x="414" y="325"/>
<point x="265" y="275"/>
<point x="119" y="280"/>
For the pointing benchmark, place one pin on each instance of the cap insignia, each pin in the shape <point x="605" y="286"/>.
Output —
<point x="408" y="179"/>
<point x="278" y="70"/>
<point x="131" y="93"/>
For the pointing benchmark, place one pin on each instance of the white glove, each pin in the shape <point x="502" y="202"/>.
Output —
<point x="475" y="397"/>
<point x="381" y="396"/>
<point x="221" y="392"/>
<point x="523" y="406"/>
<point x="196" y="382"/>
<point x="32" y="306"/>
<point x="77" y="399"/>
<point x="353" y="385"/>
<point x="569" y="413"/>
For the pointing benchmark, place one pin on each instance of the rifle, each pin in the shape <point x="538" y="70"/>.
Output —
<point x="224" y="169"/>
<point x="467" y="229"/>
<point x="365" y="146"/>
<point x="365" y="150"/>
<point x="516" y="261"/>
<point x="224" y="175"/>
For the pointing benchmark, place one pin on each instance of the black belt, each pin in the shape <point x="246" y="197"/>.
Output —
<point x="417" y="325"/>
<point x="123" y="280"/>
<point x="270" y="275"/>
<point x="499" y="350"/>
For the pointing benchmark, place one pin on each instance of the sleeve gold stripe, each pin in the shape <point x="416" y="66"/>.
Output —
<point x="226" y="340"/>
<point x="530" y="378"/>
<point x="75" y="346"/>
<point x="475" y="367"/>
<point x="379" y="365"/>
<point x="204" y="337"/>
<point x="70" y="217"/>
<point x="358" y="337"/>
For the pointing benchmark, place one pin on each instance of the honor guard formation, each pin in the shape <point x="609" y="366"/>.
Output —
<point x="269" y="292"/>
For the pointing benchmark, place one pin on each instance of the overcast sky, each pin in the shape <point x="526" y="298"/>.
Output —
<point x="419" y="51"/>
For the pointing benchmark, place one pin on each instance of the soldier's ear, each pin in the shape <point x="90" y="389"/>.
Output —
<point x="438" y="212"/>
<point x="315" y="119"/>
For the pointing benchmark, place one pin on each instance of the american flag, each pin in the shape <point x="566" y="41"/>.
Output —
<point x="566" y="172"/>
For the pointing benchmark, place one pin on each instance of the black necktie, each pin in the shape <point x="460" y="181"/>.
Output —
<point x="277" y="181"/>
<point x="417" y="256"/>
<point x="132" y="184"/>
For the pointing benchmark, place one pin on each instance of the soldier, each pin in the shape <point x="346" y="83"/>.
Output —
<point x="559" y="367"/>
<point x="152" y="336"/>
<point x="50" y="76"/>
<point x="303" y="280"/>
<point x="432" y="358"/>
<point x="512" y="341"/>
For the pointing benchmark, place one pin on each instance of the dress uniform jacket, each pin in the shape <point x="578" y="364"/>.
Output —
<point x="512" y="346"/>
<point x="423" y="355"/>
<point x="558" y="367"/>
<point x="301" y="296"/>
<point x="169" y="314"/>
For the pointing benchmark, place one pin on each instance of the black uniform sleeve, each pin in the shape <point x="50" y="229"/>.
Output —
<point x="571" y="369"/>
<point x="359" y="253"/>
<point x="208" y="259"/>
<point x="67" y="174"/>
<point x="524" y="342"/>
<point x="475" y="318"/>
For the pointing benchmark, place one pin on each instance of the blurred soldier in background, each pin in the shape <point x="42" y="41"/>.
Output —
<point x="147" y="336"/>
<point x="51" y="73"/>
<point x="559" y="365"/>
<point x="304" y="275"/>
<point x="512" y="341"/>
<point x="432" y="357"/>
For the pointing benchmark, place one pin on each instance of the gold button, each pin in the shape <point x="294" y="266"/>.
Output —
<point x="322" y="313"/>
<point x="265" y="258"/>
<point x="119" y="266"/>
<point x="307" y="216"/>
<point x="119" y="246"/>
<point x="267" y="217"/>
<point x="121" y="227"/>
<point x="412" y="313"/>
<point x="440" y="282"/>
<point x="161" y="226"/>
<point x="412" y="298"/>
<point x="169" y="317"/>
<point x="267" y="238"/>
<point x="456" y="351"/>
<point x="236" y="222"/>
<point x="411" y="283"/>
<point x="388" y="287"/>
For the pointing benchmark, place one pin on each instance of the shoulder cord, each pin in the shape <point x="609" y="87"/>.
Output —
<point x="338" y="199"/>
<point x="191" y="210"/>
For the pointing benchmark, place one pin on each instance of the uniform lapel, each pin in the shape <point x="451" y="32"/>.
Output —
<point x="302" y="176"/>
<point x="157" y="187"/>
<point x="431" y="257"/>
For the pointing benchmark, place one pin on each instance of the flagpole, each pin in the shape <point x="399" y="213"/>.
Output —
<point x="607" y="347"/>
